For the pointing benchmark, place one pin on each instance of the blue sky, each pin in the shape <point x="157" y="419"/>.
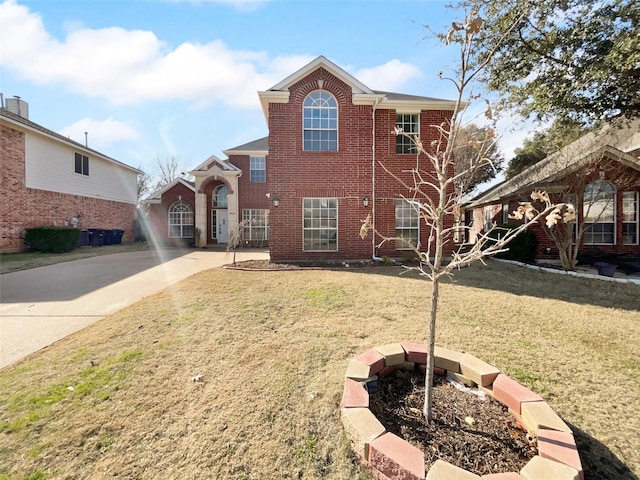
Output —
<point x="149" y="79"/>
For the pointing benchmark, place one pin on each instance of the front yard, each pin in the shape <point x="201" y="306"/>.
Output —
<point x="269" y="352"/>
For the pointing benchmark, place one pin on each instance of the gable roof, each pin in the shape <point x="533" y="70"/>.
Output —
<point x="619" y="141"/>
<point x="12" y="118"/>
<point x="156" y="196"/>
<point x="255" y="147"/>
<point x="361" y="94"/>
<point x="222" y="164"/>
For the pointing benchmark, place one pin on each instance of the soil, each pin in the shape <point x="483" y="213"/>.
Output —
<point x="470" y="432"/>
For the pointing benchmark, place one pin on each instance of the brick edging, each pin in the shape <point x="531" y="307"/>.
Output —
<point x="388" y="457"/>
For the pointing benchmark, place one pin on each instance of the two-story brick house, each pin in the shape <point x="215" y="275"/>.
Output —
<point x="48" y="179"/>
<point x="330" y="159"/>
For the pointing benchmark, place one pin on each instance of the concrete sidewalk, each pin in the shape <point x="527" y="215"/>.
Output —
<point x="42" y="305"/>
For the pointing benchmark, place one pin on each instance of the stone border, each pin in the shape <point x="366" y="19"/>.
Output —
<point x="389" y="457"/>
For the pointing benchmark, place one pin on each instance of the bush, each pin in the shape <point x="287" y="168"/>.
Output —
<point x="522" y="248"/>
<point x="52" y="239"/>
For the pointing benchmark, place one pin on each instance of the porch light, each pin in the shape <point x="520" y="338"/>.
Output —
<point x="365" y="201"/>
<point x="276" y="201"/>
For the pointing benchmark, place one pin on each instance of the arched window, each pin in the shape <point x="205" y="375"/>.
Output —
<point x="219" y="197"/>
<point x="180" y="220"/>
<point x="320" y="122"/>
<point x="599" y="212"/>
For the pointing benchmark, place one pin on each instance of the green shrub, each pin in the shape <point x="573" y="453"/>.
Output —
<point x="52" y="239"/>
<point x="522" y="248"/>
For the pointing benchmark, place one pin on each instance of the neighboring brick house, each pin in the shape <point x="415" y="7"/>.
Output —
<point x="48" y="179"/>
<point x="306" y="188"/>
<point x="598" y="173"/>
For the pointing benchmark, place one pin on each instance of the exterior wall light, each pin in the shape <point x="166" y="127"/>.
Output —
<point x="365" y="201"/>
<point x="276" y="201"/>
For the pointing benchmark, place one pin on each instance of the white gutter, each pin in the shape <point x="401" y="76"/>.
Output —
<point x="373" y="182"/>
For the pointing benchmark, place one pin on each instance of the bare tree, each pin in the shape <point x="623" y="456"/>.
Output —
<point x="438" y="212"/>
<point x="144" y="184"/>
<point x="168" y="169"/>
<point x="235" y="237"/>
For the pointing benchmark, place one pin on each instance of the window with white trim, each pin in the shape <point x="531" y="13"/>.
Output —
<point x="258" y="169"/>
<point x="255" y="224"/>
<point x="407" y="231"/>
<point x="630" y="218"/>
<point x="410" y="124"/>
<point x="487" y="216"/>
<point x="505" y="213"/>
<point x="81" y="164"/>
<point x="320" y="122"/>
<point x="320" y="224"/>
<point x="219" y="197"/>
<point x="599" y="213"/>
<point x="180" y="220"/>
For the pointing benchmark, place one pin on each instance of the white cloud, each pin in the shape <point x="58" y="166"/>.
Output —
<point x="390" y="76"/>
<point x="241" y="5"/>
<point x="127" y="67"/>
<point x="100" y="133"/>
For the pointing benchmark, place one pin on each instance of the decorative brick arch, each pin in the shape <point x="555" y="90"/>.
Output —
<point x="210" y="182"/>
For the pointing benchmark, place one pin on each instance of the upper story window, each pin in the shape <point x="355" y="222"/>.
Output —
<point x="258" y="169"/>
<point x="81" y="164"/>
<point x="410" y="124"/>
<point x="320" y="122"/>
<point x="219" y="197"/>
<point x="599" y="212"/>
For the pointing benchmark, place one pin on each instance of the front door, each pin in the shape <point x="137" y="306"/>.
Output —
<point x="220" y="225"/>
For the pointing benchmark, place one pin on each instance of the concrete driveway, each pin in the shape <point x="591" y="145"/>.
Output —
<point x="42" y="305"/>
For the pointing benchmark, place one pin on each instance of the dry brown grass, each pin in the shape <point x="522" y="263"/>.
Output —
<point x="272" y="348"/>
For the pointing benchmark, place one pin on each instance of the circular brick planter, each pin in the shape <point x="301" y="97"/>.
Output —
<point x="388" y="457"/>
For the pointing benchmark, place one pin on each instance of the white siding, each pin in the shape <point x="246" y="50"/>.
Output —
<point x="50" y="165"/>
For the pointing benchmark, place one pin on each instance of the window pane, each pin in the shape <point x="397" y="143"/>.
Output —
<point x="406" y="219"/>
<point x="320" y="224"/>
<point x="320" y="113"/>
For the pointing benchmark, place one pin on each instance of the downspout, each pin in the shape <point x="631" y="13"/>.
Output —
<point x="373" y="182"/>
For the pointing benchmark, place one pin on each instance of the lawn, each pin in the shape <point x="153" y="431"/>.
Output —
<point x="117" y="400"/>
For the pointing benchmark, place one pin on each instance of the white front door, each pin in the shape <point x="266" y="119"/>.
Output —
<point x="222" y="221"/>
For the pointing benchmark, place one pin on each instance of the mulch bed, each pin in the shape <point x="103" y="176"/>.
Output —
<point x="476" y="434"/>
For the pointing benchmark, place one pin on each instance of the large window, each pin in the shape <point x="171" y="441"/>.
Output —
<point x="180" y="220"/>
<point x="320" y="224"/>
<point x="410" y="124"/>
<point x="320" y="122"/>
<point x="81" y="164"/>
<point x="258" y="169"/>
<point x="599" y="212"/>
<point x="630" y="218"/>
<point x="406" y="224"/>
<point x="255" y="224"/>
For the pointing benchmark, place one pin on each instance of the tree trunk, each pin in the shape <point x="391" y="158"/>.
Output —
<point x="428" y="381"/>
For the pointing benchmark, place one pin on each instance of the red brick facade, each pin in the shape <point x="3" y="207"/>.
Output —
<point x="357" y="169"/>
<point x="23" y="207"/>
<point x="346" y="175"/>
<point x="622" y="178"/>
<point x="157" y="224"/>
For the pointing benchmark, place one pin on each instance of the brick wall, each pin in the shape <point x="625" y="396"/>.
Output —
<point x="347" y="174"/>
<point x="623" y="178"/>
<point x="158" y="214"/>
<point x="23" y="207"/>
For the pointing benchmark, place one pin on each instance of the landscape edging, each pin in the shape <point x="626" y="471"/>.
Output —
<point x="355" y="398"/>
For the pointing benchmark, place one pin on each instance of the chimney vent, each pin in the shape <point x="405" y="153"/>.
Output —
<point x="18" y="106"/>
